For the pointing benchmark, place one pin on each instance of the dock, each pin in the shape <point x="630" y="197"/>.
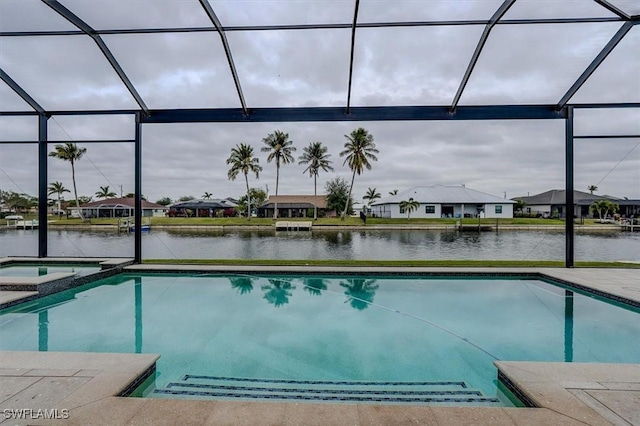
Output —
<point x="18" y="222"/>
<point x="128" y="225"/>
<point x="293" y="226"/>
<point x="473" y="228"/>
<point x="631" y="226"/>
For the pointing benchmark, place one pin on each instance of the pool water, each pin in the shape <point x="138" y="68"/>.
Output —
<point x="40" y="270"/>
<point x="249" y="336"/>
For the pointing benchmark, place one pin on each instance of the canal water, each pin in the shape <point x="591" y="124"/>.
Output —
<point x="329" y="244"/>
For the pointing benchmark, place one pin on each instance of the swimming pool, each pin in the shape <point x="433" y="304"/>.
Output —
<point x="349" y="339"/>
<point x="36" y="270"/>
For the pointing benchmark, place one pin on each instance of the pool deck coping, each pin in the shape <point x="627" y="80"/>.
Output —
<point x="87" y="384"/>
<point x="16" y="290"/>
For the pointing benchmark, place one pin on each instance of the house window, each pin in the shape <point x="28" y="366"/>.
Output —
<point x="430" y="209"/>
<point x="401" y="210"/>
<point x="498" y="209"/>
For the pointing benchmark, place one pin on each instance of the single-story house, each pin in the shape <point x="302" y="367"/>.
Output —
<point x="440" y="201"/>
<point x="118" y="207"/>
<point x="295" y="206"/>
<point x="546" y="203"/>
<point x="215" y="207"/>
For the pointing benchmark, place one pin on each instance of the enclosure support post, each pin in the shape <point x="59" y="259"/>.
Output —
<point x="568" y="206"/>
<point x="138" y="192"/>
<point x="42" y="185"/>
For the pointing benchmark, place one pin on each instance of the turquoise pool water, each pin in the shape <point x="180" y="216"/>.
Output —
<point x="39" y="270"/>
<point x="298" y="332"/>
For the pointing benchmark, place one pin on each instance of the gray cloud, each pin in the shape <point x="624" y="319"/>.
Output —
<point x="393" y="66"/>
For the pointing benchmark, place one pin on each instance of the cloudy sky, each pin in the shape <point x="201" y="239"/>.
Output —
<point x="532" y="64"/>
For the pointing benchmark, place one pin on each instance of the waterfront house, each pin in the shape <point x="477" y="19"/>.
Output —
<point x="438" y="201"/>
<point x="215" y="207"/>
<point x="119" y="207"/>
<point x="295" y="206"/>
<point x="546" y="204"/>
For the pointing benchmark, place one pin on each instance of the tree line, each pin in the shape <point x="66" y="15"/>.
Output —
<point x="359" y="151"/>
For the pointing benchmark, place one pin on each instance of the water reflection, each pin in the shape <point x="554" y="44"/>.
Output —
<point x="278" y="291"/>
<point x="314" y="286"/>
<point x="243" y="285"/>
<point x="331" y="244"/>
<point x="339" y="238"/>
<point x="360" y="292"/>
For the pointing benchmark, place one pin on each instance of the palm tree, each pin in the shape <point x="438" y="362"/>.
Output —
<point x="358" y="151"/>
<point x="315" y="155"/>
<point x="602" y="207"/>
<point x="105" y="192"/>
<point x="58" y="189"/>
<point x="371" y="196"/>
<point x="279" y="148"/>
<point x="394" y="192"/>
<point x="71" y="153"/>
<point x="242" y="160"/>
<point x="592" y="188"/>
<point x="409" y="206"/>
<point x="207" y="195"/>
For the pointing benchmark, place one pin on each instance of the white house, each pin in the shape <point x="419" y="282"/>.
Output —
<point x="439" y="201"/>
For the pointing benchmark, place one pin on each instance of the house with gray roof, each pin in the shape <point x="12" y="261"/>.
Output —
<point x="548" y="202"/>
<point x="439" y="201"/>
<point x="214" y="207"/>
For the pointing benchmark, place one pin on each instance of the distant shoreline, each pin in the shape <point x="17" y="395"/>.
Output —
<point x="389" y="227"/>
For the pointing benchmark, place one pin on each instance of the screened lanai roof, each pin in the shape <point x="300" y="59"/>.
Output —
<point x="74" y="55"/>
<point x="227" y="61"/>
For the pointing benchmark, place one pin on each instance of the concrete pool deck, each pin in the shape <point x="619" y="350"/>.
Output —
<point x="87" y="385"/>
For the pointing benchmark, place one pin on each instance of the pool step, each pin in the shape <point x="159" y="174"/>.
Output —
<point x="322" y="390"/>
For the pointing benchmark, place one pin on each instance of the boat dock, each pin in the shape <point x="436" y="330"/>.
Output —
<point x="18" y="222"/>
<point x="128" y="225"/>
<point x="473" y="227"/>
<point x="293" y="226"/>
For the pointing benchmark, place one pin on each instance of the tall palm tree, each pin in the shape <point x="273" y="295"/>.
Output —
<point x="371" y="196"/>
<point x="358" y="151"/>
<point x="207" y="195"/>
<point x="70" y="152"/>
<point x="592" y="188"/>
<point x="280" y="149"/>
<point x="315" y="155"/>
<point x="105" y="192"/>
<point x="242" y="160"/>
<point x="58" y="189"/>
<point x="394" y="192"/>
<point x="409" y="206"/>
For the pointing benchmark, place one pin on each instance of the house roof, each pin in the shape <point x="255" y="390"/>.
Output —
<point x="121" y="202"/>
<point x="296" y="201"/>
<point x="443" y="194"/>
<point x="214" y="203"/>
<point x="557" y="196"/>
